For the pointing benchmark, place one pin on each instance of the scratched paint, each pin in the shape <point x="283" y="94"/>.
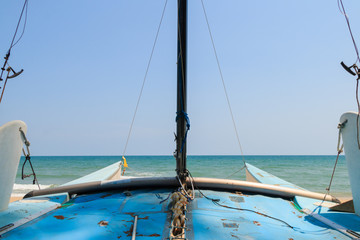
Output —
<point x="110" y="215"/>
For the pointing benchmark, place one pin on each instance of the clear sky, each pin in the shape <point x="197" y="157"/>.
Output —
<point x="84" y="63"/>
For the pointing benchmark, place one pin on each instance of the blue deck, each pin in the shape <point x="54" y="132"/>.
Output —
<point x="110" y="215"/>
<point x="347" y="220"/>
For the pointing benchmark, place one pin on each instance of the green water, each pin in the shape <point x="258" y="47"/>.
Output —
<point x="310" y="172"/>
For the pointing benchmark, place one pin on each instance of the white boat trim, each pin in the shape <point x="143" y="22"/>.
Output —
<point x="171" y="182"/>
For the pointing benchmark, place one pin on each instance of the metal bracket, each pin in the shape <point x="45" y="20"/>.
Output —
<point x="15" y="74"/>
<point x="348" y="69"/>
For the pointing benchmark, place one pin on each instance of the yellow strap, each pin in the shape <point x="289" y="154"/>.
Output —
<point x="125" y="163"/>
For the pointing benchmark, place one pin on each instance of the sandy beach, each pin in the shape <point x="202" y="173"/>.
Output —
<point x="16" y="197"/>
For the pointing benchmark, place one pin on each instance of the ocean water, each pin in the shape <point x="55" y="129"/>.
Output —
<point x="310" y="172"/>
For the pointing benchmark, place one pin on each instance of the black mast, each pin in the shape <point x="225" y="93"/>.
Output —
<point x="182" y="121"/>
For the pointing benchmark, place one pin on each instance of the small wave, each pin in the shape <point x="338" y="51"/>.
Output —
<point x="146" y="174"/>
<point x="30" y="186"/>
<point x="21" y="188"/>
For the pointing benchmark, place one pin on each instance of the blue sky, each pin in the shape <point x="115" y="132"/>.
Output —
<point x="84" y="62"/>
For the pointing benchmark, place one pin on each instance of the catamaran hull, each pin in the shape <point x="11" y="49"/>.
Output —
<point x="11" y="143"/>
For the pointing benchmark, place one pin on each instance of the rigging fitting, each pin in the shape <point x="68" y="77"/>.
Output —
<point x="27" y="159"/>
<point x="354" y="67"/>
<point x="8" y="76"/>
<point x="15" y="74"/>
<point x="3" y="68"/>
<point x="7" y="56"/>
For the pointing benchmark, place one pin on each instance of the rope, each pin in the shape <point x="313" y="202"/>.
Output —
<point x="143" y="84"/>
<point x="185" y="115"/>
<point x="27" y="159"/>
<point x="223" y="83"/>
<point x="3" y="90"/>
<point x="236" y="172"/>
<point x="216" y="202"/>
<point x="166" y="197"/>
<point x="358" y="105"/>
<point x="22" y="33"/>
<point x="339" y="151"/>
<point x="182" y="187"/>
<point x="253" y="211"/>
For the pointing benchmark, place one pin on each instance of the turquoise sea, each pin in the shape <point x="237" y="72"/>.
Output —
<point x="310" y="172"/>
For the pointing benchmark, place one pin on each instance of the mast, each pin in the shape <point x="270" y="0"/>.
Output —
<point x="182" y="121"/>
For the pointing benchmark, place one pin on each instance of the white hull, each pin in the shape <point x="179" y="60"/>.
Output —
<point x="11" y="143"/>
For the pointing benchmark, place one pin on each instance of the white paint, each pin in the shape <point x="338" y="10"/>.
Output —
<point x="11" y="143"/>
<point x="352" y="155"/>
<point x="34" y="200"/>
<point x="26" y="219"/>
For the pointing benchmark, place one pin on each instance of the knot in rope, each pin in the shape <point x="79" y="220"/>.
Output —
<point x="185" y="115"/>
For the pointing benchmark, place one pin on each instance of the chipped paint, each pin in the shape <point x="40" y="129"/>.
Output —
<point x="65" y="205"/>
<point x="296" y="206"/>
<point x="256" y="223"/>
<point x="154" y="235"/>
<point x="130" y="231"/>
<point x="230" y="225"/>
<point x="236" y="199"/>
<point x="103" y="223"/>
<point x="106" y="195"/>
<point x="114" y="216"/>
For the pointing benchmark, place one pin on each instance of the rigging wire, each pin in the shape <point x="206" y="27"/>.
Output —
<point x="357" y="117"/>
<point x="235" y="172"/>
<point x="223" y="83"/>
<point x="7" y="56"/>
<point x="143" y="83"/>
<point x="341" y="125"/>
<point x="25" y="21"/>
<point x="340" y="149"/>
<point x="3" y="89"/>
<point x="24" y="8"/>
<point x="343" y="12"/>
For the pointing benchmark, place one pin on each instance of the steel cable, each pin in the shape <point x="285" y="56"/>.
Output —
<point x="143" y="84"/>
